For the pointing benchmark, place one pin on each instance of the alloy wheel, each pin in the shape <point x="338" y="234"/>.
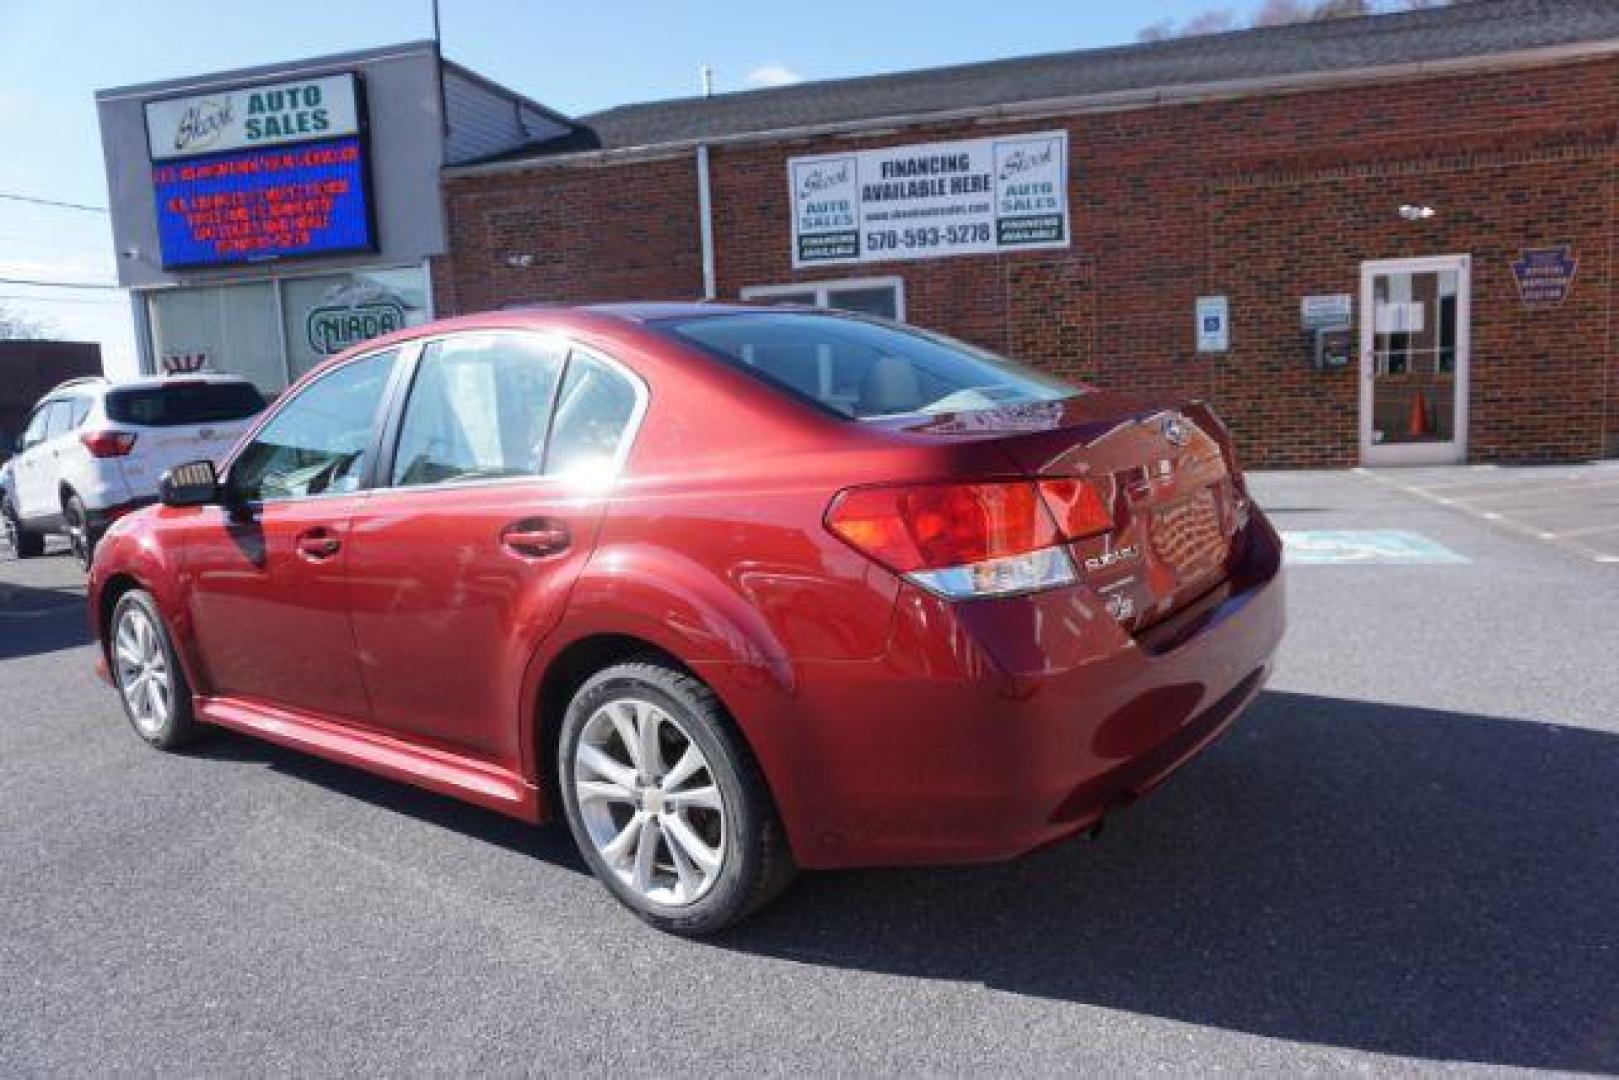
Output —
<point x="143" y="672"/>
<point x="650" y="802"/>
<point x="78" y="534"/>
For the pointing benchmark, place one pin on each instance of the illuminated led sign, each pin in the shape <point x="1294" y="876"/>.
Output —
<point x="308" y="199"/>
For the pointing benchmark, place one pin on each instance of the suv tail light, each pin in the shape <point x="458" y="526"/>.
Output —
<point x="105" y="444"/>
<point x="966" y="540"/>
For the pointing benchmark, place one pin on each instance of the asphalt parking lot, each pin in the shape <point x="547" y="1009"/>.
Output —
<point x="1405" y="857"/>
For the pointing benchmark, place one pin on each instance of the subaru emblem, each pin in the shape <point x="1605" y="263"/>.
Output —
<point x="1174" y="429"/>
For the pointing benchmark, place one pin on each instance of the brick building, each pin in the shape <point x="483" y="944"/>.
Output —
<point x="1379" y="240"/>
<point x="28" y="369"/>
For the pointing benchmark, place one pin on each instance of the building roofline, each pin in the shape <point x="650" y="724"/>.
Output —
<point x="507" y="92"/>
<point x="1105" y="101"/>
<point x="266" y="72"/>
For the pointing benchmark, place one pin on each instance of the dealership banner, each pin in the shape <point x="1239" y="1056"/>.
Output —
<point x="924" y="201"/>
<point x="245" y="117"/>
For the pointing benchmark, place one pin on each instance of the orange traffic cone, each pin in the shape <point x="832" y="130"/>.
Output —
<point x="1418" y="422"/>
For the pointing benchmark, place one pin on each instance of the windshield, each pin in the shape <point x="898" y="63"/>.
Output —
<point x="181" y="403"/>
<point x="865" y="369"/>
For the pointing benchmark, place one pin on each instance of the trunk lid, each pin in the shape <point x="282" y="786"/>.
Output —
<point x="1165" y="473"/>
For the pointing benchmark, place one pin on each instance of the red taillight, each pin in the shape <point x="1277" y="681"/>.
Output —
<point x="929" y="526"/>
<point x="1078" y="507"/>
<point x="105" y="444"/>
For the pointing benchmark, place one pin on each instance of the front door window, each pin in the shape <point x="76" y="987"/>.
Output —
<point x="317" y="444"/>
<point x="1414" y="356"/>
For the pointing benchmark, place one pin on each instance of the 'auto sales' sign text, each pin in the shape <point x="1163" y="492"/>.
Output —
<point x="252" y="116"/>
<point x="972" y="197"/>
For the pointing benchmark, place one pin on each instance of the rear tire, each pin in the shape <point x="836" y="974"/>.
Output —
<point x="26" y="543"/>
<point x="79" y="537"/>
<point x="151" y="684"/>
<point x="666" y="802"/>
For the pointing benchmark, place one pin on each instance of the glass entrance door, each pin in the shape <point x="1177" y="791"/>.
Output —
<point x="1414" y="338"/>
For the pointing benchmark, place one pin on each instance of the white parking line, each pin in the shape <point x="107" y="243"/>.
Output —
<point x="1495" y="517"/>
<point x="1520" y="490"/>
<point x="1586" y="531"/>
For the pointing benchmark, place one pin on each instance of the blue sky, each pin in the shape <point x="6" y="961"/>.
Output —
<point x="575" y="57"/>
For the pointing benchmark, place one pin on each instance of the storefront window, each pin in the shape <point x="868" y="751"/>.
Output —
<point x="239" y="330"/>
<point x="226" y="328"/>
<point x="327" y="314"/>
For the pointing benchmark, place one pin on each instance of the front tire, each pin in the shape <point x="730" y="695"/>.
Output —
<point x="25" y="543"/>
<point x="147" y="673"/>
<point x="665" y="801"/>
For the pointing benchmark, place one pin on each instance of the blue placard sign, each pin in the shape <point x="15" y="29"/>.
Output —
<point x="245" y="206"/>
<point x="1545" y="276"/>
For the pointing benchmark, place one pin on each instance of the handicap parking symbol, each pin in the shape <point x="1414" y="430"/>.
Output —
<point x="1328" y="547"/>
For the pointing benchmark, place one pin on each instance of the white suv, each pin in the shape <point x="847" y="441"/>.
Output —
<point x="93" y="450"/>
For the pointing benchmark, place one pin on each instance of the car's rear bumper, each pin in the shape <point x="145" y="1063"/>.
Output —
<point x="994" y="728"/>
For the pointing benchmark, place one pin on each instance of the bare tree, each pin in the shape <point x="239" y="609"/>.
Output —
<point x="14" y="326"/>
<point x="1279" y="13"/>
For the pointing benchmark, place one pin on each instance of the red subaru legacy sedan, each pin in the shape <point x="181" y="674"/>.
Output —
<point x="735" y="590"/>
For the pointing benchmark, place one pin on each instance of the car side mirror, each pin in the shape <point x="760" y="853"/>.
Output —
<point x="193" y="484"/>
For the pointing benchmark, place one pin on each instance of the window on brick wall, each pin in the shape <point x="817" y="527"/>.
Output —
<point x="869" y="296"/>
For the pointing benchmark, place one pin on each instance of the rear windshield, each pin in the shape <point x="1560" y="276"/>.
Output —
<point x="866" y="369"/>
<point x="180" y="403"/>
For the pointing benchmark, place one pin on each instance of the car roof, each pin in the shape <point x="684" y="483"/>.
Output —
<point x="101" y="382"/>
<point x="561" y="318"/>
<point x="167" y="380"/>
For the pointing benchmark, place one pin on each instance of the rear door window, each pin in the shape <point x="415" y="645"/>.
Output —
<point x="180" y="404"/>
<point x="60" y="419"/>
<point x="595" y="410"/>
<point x="34" y="434"/>
<point x="477" y="409"/>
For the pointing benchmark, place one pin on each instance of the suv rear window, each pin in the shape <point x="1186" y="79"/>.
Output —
<point x="179" y="403"/>
<point x="863" y="369"/>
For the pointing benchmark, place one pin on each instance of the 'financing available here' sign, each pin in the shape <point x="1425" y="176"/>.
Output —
<point x="973" y="197"/>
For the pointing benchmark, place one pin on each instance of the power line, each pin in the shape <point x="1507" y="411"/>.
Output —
<point x="36" y="201"/>
<point x="60" y="299"/>
<point x="37" y="283"/>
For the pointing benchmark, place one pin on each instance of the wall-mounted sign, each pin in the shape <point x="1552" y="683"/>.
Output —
<point x="1545" y="276"/>
<point x="1213" y="324"/>
<point x="924" y="201"/>
<point x="1327" y="309"/>
<point x="263" y="204"/>
<point x="350" y="314"/>
<point x="253" y="116"/>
